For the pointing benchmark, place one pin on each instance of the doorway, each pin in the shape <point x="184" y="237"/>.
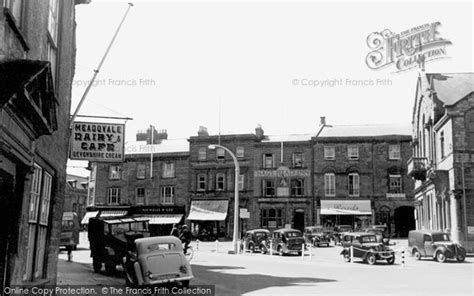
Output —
<point x="404" y="220"/>
<point x="298" y="219"/>
<point x="6" y="238"/>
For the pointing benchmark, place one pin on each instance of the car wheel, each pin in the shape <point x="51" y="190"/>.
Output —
<point x="280" y="251"/>
<point x="347" y="257"/>
<point x="96" y="264"/>
<point x="460" y="258"/>
<point x="417" y="255"/>
<point x="251" y="248"/>
<point x="440" y="257"/>
<point x="371" y="259"/>
<point x="391" y="260"/>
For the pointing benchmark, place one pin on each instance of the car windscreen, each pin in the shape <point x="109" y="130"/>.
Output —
<point x="369" y="239"/>
<point x="162" y="247"/>
<point x="67" y="225"/>
<point x="293" y="234"/>
<point x="260" y="234"/>
<point x="440" y="237"/>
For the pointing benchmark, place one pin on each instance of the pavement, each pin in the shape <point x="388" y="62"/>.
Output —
<point x="324" y="273"/>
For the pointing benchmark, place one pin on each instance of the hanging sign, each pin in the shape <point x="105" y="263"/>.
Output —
<point x="100" y="142"/>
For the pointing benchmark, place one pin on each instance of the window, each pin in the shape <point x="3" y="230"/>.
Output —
<point x="240" y="152"/>
<point x="113" y="196"/>
<point x="220" y="181"/>
<point x="167" y="195"/>
<point x="241" y="182"/>
<point x="38" y="220"/>
<point x="354" y="184"/>
<point x="441" y="143"/>
<point x="353" y="152"/>
<point x="140" y="195"/>
<point x="53" y="28"/>
<point x="395" y="184"/>
<point x="297" y="159"/>
<point x="329" y="152"/>
<point x="202" y="153"/>
<point x="93" y="172"/>
<point x="268" y="160"/>
<point x="141" y="170"/>
<point x="201" y="182"/>
<point x="329" y="184"/>
<point x="168" y="170"/>
<point x="14" y="6"/>
<point x="271" y="218"/>
<point x="115" y="172"/>
<point x="220" y="154"/>
<point x="393" y="151"/>
<point x="297" y="187"/>
<point x="469" y="122"/>
<point x="268" y="187"/>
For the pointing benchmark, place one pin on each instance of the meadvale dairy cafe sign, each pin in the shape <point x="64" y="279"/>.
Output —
<point x="101" y="142"/>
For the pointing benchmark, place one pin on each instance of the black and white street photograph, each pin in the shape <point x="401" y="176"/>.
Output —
<point x="236" y="147"/>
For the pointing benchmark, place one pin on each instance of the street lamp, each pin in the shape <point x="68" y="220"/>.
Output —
<point x="235" y="237"/>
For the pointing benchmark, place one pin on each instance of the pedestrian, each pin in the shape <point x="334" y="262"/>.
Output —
<point x="185" y="238"/>
<point x="175" y="230"/>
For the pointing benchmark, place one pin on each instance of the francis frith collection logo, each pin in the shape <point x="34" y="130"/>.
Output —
<point x="406" y="50"/>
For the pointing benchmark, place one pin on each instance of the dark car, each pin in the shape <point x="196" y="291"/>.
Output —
<point x="434" y="244"/>
<point x="317" y="236"/>
<point x="381" y="235"/>
<point x="287" y="241"/>
<point x="256" y="240"/>
<point x="111" y="239"/>
<point x="365" y="246"/>
<point x="339" y="230"/>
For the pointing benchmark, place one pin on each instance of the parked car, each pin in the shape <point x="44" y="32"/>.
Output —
<point x="338" y="232"/>
<point x="157" y="261"/>
<point x="317" y="236"/>
<point x="70" y="229"/>
<point x="111" y="239"/>
<point x="382" y="237"/>
<point x="365" y="246"/>
<point x="287" y="241"/>
<point x="256" y="239"/>
<point x="435" y="244"/>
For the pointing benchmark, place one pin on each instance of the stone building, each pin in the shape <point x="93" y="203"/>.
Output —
<point x="158" y="191"/>
<point x="360" y="177"/>
<point x="443" y="154"/>
<point x="75" y="199"/>
<point x="37" y="61"/>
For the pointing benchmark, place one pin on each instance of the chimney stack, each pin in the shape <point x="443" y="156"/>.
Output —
<point x="202" y="132"/>
<point x="259" y="132"/>
<point x="323" y="120"/>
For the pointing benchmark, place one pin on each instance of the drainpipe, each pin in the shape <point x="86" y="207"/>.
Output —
<point x="464" y="203"/>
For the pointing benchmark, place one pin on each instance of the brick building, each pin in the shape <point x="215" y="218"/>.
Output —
<point x="360" y="177"/>
<point x="158" y="191"/>
<point x="443" y="154"/>
<point x="37" y="56"/>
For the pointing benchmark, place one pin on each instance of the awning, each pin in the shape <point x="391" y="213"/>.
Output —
<point x="113" y="213"/>
<point x="89" y="215"/>
<point x="208" y="210"/>
<point x="345" y="207"/>
<point x="164" y="218"/>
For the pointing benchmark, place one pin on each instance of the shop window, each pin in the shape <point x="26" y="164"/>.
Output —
<point x="329" y="152"/>
<point x="167" y="195"/>
<point x="329" y="184"/>
<point x="354" y="189"/>
<point x="202" y="153"/>
<point x="240" y="152"/>
<point x="201" y="182"/>
<point x="38" y="222"/>
<point x="220" y="181"/>
<point x="353" y="152"/>
<point x="268" y="187"/>
<point x="297" y="187"/>
<point x="395" y="184"/>
<point x="115" y="172"/>
<point x="271" y="218"/>
<point x="140" y="195"/>
<point x="394" y="152"/>
<point x="113" y="196"/>
<point x="168" y="170"/>
<point x="268" y="161"/>
<point x="141" y="171"/>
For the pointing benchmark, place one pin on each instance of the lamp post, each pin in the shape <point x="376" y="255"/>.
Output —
<point x="235" y="238"/>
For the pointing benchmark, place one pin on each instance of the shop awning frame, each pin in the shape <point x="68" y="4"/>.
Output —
<point x="208" y="210"/>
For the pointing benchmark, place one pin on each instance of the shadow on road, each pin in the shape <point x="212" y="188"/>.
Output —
<point x="229" y="281"/>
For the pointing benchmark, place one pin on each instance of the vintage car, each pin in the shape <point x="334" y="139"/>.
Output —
<point x="365" y="246"/>
<point x="111" y="238"/>
<point x="157" y="261"/>
<point x="380" y="234"/>
<point x="256" y="239"/>
<point x="339" y="230"/>
<point x="286" y="241"/>
<point x="317" y="236"/>
<point x="435" y="244"/>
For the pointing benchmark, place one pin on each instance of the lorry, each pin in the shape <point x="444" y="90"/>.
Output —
<point x="70" y="229"/>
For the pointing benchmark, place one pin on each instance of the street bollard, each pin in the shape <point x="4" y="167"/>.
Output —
<point x="242" y="244"/>
<point x="352" y="254"/>
<point x="217" y="245"/>
<point x="271" y="248"/>
<point x="403" y="258"/>
<point x="302" y="251"/>
<point x="197" y="245"/>
<point x="310" y="252"/>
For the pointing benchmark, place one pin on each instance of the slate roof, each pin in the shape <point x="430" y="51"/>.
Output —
<point x="451" y="87"/>
<point x="369" y="130"/>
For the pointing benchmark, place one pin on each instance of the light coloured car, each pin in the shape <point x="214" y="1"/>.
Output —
<point x="157" y="261"/>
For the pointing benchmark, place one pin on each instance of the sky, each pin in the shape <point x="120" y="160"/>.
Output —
<point x="231" y="65"/>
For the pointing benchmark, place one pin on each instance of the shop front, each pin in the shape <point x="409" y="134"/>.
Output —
<point x="161" y="218"/>
<point x="357" y="213"/>
<point x="208" y="219"/>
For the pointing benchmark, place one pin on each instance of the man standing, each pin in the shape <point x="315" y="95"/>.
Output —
<point x="185" y="238"/>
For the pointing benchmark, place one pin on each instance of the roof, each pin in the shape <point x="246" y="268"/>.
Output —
<point x="451" y="87"/>
<point x="288" y="138"/>
<point x="166" y="146"/>
<point x="258" y="230"/>
<point x="286" y="230"/>
<point x="369" y="130"/>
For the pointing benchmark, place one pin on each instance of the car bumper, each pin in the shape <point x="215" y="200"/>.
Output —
<point x="166" y="281"/>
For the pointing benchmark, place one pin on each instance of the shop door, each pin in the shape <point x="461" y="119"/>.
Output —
<point x="298" y="219"/>
<point x="6" y="198"/>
